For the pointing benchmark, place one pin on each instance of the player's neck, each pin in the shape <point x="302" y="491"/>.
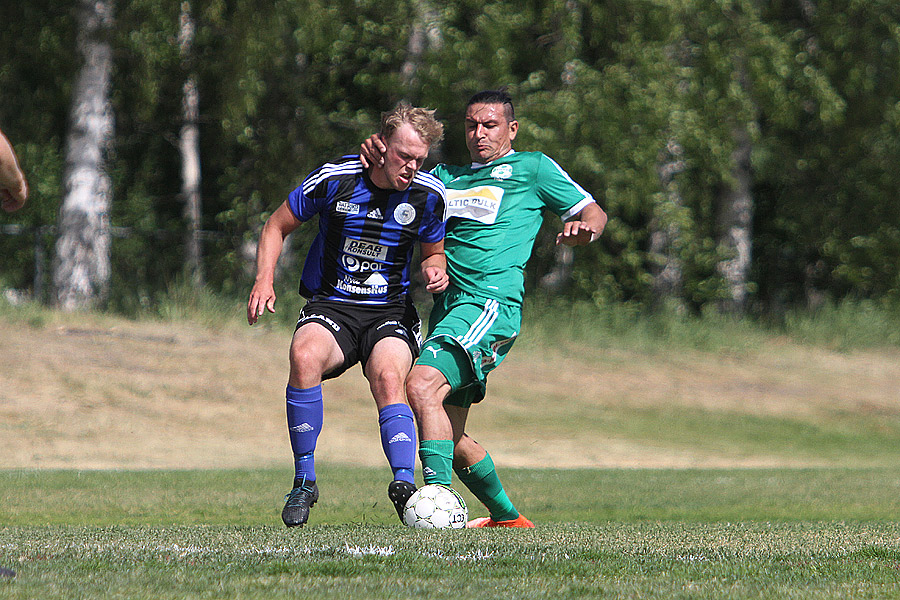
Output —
<point x="378" y="178"/>
<point x="476" y="165"/>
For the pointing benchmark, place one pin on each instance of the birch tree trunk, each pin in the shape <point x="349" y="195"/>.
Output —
<point x="189" y="147"/>
<point x="666" y="267"/>
<point x="82" y="264"/>
<point x="736" y="227"/>
<point x="424" y="33"/>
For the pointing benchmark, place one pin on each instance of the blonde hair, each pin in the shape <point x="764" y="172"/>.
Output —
<point x="422" y="120"/>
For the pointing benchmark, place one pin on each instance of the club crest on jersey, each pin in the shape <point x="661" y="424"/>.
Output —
<point x="364" y="249"/>
<point x="348" y="208"/>
<point x="502" y="172"/>
<point x="404" y="213"/>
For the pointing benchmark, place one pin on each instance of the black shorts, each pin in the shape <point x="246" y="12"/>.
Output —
<point x="358" y="327"/>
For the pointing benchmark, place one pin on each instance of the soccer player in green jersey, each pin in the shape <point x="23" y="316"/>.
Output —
<point x="493" y="215"/>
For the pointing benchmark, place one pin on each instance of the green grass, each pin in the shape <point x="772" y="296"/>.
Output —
<point x="832" y="438"/>
<point x="648" y="533"/>
<point x="561" y="561"/>
<point x="570" y="324"/>
<point x="845" y="326"/>
<point x="772" y="533"/>
<point x="357" y="495"/>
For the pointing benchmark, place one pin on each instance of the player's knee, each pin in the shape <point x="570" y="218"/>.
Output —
<point x="387" y="382"/>
<point x="386" y="379"/>
<point x="306" y="364"/>
<point x="420" y="392"/>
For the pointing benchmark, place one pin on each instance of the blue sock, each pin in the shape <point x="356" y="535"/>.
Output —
<point x="304" y="419"/>
<point x="398" y="438"/>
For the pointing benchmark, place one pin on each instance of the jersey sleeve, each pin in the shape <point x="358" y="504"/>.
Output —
<point x="440" y="171"/>
<point x="310" y="197"/>
<point x="558" y="191"/>
<point x="433" y="226"/>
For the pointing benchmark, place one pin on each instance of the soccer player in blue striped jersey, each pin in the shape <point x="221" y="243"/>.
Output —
<point x="356" y="281"/>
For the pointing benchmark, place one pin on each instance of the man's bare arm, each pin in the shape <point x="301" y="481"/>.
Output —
<point x="434" y="267"/>
<point x="13" y="186"/>
<point x="271" y="241"/>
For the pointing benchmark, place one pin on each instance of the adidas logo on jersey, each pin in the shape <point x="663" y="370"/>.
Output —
<point x="302" y="428"/>
<point x="400" y="437"/>
<point x="375" y="213"/>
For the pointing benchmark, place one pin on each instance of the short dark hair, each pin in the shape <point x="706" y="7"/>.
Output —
<point x="495" y="97"/>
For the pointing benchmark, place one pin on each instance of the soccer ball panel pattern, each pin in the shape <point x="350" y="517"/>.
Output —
<point x="435" y="507"/>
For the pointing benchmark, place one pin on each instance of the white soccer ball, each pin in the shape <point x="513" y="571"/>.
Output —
<point x="435" y="506"/>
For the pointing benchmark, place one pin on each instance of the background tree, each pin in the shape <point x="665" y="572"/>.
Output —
<point x="189" y="148"/>
<point x="827" y="224"/>
<point x="673" y="114"/>
<point x="82" y="266"/>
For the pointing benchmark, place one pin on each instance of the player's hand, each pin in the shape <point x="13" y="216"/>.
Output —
<point x="262" y="297"/>
<point x="13" y="201"/>
<point x="371" y="151"/>
<point x="576" y="233"/>
<point x="436" y="279"/>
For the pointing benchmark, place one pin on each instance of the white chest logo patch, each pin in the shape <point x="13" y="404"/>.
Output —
<point x="501" y="172"/>
<point x="364" y="249"/>
<point x="404" y="213"/>
<point x="478" y="204"/>
<point x="347" y="208"/>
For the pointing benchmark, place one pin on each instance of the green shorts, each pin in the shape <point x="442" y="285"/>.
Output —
<point x="468" y="337"/>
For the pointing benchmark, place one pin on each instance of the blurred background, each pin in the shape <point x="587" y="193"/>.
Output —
<point x="745" y="151"/>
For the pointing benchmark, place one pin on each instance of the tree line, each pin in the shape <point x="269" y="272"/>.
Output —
<point x="745" y="151"/>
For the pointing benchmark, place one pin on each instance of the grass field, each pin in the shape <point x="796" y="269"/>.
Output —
<point x="148" y="459"/>
<point x="721" y="533"/>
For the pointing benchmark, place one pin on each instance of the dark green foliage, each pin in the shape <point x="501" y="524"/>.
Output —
<point x="37" y="42"/>
<point x="828" y="217"/>
<point x="607" y="89"/>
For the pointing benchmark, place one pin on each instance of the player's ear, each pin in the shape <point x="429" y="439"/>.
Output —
<point x="513" y="128"/>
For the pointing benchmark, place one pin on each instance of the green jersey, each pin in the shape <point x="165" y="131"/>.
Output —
<point x="493" y="214"/>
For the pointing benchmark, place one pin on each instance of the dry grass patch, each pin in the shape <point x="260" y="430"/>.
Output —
<point x="92" y="392"/>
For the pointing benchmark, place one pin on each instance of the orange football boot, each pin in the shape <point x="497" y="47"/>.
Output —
<point x="519" y="521"/>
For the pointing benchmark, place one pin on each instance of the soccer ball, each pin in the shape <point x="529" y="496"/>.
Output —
<point x="435" y="506"/>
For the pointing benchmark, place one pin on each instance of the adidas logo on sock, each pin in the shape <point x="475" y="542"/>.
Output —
<point x="375" y="213"/>
<point x="428" y="471"/>
<point x="302" y="428"/>
<point x="400" y="437"/>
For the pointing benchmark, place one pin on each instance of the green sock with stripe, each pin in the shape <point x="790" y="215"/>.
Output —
<point x="437" y="461"/>
<point x="482" y="480"/>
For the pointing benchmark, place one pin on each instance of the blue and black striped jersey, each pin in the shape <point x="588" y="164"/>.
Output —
<point x="367" y="235"/>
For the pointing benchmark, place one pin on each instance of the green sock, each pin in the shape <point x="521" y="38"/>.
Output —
<point x="482" y="480"/>
<point x="437" y="461"/>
